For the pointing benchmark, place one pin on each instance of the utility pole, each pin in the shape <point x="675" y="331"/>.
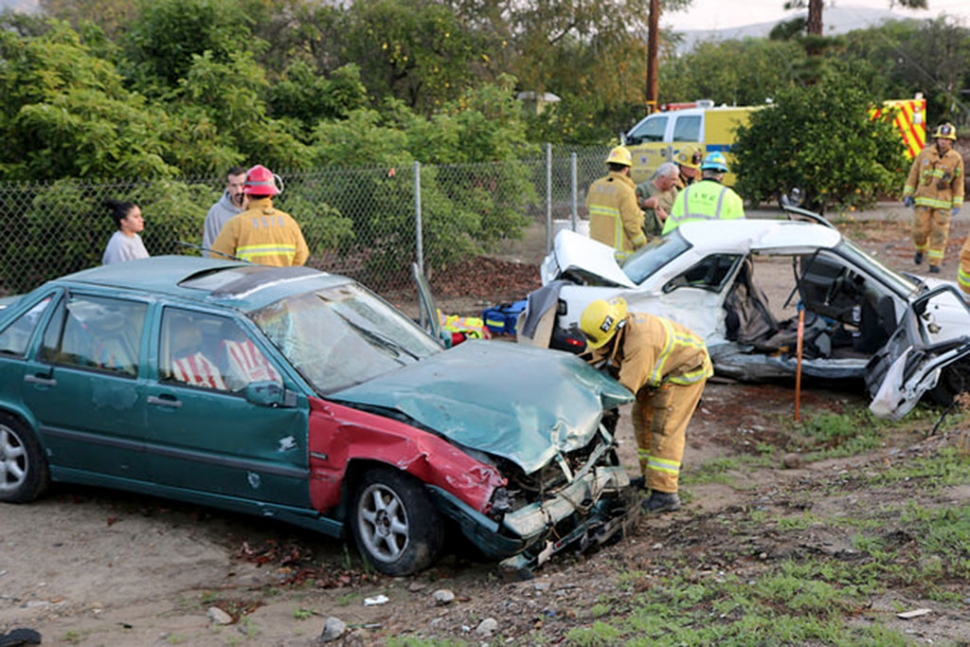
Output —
<point x="653" y="36"/>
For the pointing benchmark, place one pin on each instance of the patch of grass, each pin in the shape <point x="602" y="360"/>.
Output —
<point x="595" y="636"/>
<point x="835" y="435"/>
<point x="798" y="522"/>
<point x="410" y="641"/>
<point x="713" y="471"/>
<point x="302" y="614"/>
<point x="347" y="599"/>
<point x="599" y="610"/>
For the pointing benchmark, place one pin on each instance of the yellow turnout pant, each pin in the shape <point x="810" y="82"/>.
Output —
<point x="931" y="230"/>
<point x="660" y="419"/>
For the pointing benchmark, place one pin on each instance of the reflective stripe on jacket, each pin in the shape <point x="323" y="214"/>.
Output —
<point x="704" y="200"/>
<point x="657" y="351"/>
<point x="615" y="218"/>
<point x="934" y="181"/>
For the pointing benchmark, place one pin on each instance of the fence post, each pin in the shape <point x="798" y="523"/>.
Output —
<point x="418" y="240"/>
<point x="548" y="197"/>
<point x="574" y="182"/>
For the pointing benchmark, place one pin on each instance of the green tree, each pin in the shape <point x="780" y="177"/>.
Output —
<point x="735" y="72"/>
<point x="165" y="36"/>
<point x="66" y="113"/>
<point x="821" y="139"/>
<point x="418" y="52"/>
<point x="302" y="93"/>
<point x="109" y="15"/>
<point x="229" y="95"/>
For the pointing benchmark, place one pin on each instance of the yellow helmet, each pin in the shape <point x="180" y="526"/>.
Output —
<point x="601" y="319"/>
<point x="620" y="155"/>
<point x="945" y="131"/>
<point x="689" y="156"/>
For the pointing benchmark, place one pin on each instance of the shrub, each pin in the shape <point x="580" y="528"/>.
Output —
<point x="821" y="139"/>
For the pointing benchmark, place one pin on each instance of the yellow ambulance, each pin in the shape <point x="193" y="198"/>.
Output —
<point x="660" y="136"/>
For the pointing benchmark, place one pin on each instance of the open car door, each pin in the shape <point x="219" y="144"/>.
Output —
<point x="910" y="364"/>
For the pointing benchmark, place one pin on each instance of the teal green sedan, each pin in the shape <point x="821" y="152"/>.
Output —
<point x="298" y="395"/>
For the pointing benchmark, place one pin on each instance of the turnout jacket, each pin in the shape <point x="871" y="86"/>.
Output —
<point x="615" y="217"/>
<point x="263" y="235"/>
<point x="936" y="181"/>
<point x="655" y="351"/>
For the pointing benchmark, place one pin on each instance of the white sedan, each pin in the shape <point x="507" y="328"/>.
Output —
<point x="862" y="320"/>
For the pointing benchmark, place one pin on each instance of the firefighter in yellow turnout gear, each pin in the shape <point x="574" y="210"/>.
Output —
<point x="262" y="234"/>
<point x="615" y="217"/>
<point x="666" y="366"/>
<point x="935" y="188"/>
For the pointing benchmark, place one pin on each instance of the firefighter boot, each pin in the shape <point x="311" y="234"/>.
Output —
<point x="934" y="269"/>
<point x="659" y="502"/>
<point x="918" y="258"/>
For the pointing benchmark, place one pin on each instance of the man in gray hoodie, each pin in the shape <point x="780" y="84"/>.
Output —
<point x="229" y="205"/>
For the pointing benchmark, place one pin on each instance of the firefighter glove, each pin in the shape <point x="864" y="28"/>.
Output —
<point x="909" y="202"/>
<point x="955" y="211"/>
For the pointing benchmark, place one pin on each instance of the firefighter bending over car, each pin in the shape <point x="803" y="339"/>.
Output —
<point x="615" y="218"/>
<point x="666" y="366"/>
<point x="935" y="188"/>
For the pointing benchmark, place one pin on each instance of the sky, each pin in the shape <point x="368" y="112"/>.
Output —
<point x="723" y="14"/>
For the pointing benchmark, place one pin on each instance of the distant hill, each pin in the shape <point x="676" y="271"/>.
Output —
<point x="26" y="6"/>
<point x="836" y="20"/>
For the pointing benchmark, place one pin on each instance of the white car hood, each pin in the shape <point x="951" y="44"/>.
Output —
<point x="572" y="251"/>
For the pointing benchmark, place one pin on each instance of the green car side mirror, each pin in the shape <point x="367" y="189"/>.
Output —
<point x="267" y="393"/>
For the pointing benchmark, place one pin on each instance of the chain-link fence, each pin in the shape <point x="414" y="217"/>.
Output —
<point x="369" y="224"/>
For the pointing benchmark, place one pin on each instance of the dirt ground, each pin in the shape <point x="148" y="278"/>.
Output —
<point x="91" y="567"/>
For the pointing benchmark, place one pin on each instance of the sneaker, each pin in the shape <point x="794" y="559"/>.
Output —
<point x="918" y="258"/>
<point x="934" y="269"/>
<point x="659" y="502"/>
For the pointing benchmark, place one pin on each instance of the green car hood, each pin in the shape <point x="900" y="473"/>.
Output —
<point x="521" y="403"/>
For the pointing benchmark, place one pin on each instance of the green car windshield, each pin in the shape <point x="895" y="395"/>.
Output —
<point x="342" y="336"/>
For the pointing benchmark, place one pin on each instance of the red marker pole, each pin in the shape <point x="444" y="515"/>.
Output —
<point x="798" y="370"/>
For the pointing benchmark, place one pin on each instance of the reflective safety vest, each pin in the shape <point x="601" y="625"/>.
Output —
<point x="656" y="351"/>
<point x="936" y="182"/>
<point x="615" y="218"/>
<point x="704" y="200"/>
<point x="197" y="370"/>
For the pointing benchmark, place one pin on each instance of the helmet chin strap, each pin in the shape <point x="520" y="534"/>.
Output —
<point x="615" y="343"/>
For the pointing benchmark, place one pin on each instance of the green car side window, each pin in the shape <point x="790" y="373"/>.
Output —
<point x="16" y="336"/>
<point x="97" y="333"/>
<point x="210" y="352"/>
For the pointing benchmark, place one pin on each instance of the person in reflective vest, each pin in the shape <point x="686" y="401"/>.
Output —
<point x="934" y="187"/>
<point x="666" y="366"/>
<point x="615" y="218"/>
<point x="707" y="199"/>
